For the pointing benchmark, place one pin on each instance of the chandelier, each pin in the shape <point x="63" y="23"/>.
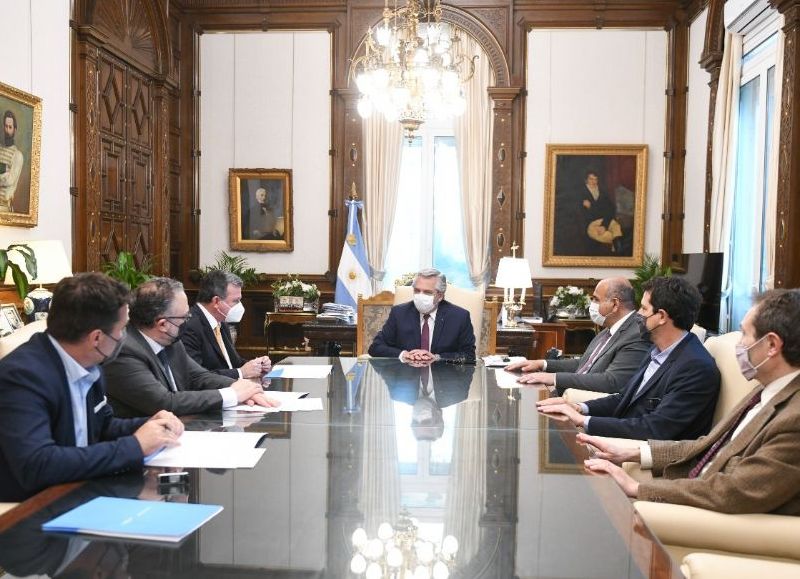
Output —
<point x="413" y="66"/>
<point x="398" y="553"/>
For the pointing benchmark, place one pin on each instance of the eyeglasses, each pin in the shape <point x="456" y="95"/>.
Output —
<point x="185" y="318"/>
<point x="122" y="335"/>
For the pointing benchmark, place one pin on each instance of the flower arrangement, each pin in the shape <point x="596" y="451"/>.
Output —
<point x="294" y="287"/>
<point x="405" y="279"/>
<point x="569" y="296"/>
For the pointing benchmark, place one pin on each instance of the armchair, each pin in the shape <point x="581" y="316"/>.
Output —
<point x="711" y="566"/>
<point x="372" y="314"/>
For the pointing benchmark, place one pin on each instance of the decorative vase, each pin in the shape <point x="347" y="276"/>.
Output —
<point x="289" y="304"/>
<point x="562" y="313"/>
<point x="311" y="305"/>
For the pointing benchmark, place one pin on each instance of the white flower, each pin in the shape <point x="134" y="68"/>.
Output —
<point x="554" y="301"/>
<point x="575" y="291"/>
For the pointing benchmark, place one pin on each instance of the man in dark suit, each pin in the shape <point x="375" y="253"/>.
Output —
<point x="55" y="424"/>
<point x="153" y="369"/>
<point x="613" y="356"/>
<point x="673" y="394"/>
<point x="427" y="328"/>
<point x="207" y="338"/>
<point x="750" y="461"/>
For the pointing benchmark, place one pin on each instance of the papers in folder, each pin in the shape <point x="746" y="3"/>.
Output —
<point x="211" y="450"/>
<point x="133" y="519"/>
<point x="300" y="371"/>
<point x="294" y="405"/>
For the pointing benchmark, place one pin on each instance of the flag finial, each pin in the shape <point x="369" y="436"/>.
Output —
<point x="353" y="194"/>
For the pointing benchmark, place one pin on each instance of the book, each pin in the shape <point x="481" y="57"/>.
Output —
<point x="134" y="519"/>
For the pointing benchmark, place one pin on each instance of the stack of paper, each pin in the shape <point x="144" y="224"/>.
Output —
<point x="211" y="450"/>
<point x="340" y="312"/>
<point x="134" y="519"/>
<point x="498" y="361"/>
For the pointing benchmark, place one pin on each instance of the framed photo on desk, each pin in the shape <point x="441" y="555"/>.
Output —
<point x="11" y="317"/>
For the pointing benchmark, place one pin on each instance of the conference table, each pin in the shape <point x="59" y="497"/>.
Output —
<point x="449" y="451"/>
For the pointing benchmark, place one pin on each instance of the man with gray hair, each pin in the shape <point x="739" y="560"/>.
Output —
<point x="153" y="370"/>
<point x="207" y="338"/>
<point x="613" y="356"/>
<point x="427" y="328"/>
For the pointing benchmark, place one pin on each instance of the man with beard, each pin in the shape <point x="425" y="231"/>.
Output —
<point x="153" y="369"/>
<point x="264" y="223"/>
<point x="11" y="161"/>
<point x="55" y="424"/>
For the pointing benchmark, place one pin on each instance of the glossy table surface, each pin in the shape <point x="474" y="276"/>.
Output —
<point x="469" y="459"/>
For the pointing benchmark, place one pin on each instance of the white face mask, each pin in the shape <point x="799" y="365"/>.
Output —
<point x="235" y="314"/>
<point x="594" y="313"/>
<point x="423" y="303"/>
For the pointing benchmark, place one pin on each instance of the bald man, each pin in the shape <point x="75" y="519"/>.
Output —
<point x="613" y="356"/>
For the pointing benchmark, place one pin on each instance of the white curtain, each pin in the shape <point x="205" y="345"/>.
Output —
<point x="473" y="132"/>
<point x="771" y="210"/>
<point x="379" y="497"/>
<point x="466" y="488"/>
<point x="383" y="144"/>
<point x="723" y="160"/>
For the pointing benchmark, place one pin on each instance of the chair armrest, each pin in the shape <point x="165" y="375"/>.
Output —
<point x="751" y="534"/>
<point x="712" y="566"/>
<point x="575" y="395"/>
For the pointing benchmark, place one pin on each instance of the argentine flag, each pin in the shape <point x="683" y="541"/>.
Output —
<point x="352" y="278"/>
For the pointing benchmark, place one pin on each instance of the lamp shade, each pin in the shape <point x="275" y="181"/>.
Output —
<point x="513" y="272"/>
<point x="51" y="261"/>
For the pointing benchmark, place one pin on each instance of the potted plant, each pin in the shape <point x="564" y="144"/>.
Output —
<point x="650" y="268"/>
<point x="235" y="264"/>
<point x="294" y="295"/>
<point x="124" y="269"/>
<point x="569" y="302"/>
<point x="18" y="276"/>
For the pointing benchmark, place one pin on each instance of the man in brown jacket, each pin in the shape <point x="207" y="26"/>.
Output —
<point x="750" y="462"/>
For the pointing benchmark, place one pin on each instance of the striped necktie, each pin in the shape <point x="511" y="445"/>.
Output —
<point x="587" y="365"/>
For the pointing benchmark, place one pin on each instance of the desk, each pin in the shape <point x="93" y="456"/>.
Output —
<point x="284" y="334"/>
<point x="506" y="482"/>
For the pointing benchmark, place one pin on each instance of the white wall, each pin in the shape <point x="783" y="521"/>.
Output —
<point x="594" y="87"/>
<point x="265" y="103"/>
<point x="34" y="36"/>
<point x="696" y="140"/>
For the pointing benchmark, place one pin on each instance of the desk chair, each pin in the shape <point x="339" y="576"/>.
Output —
<point x="372" y="314"/>
<point x="482" y="313"/>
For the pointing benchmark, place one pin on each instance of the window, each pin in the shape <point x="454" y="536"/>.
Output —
<point x="428" y="226"/>
<point x="747" y="250"/>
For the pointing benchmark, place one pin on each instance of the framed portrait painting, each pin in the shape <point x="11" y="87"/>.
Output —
<point x="594" y="199"/>
<point x="20" y="147"/>
<point x="261" y="209"/>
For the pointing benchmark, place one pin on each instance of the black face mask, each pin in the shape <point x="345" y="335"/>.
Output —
<point x="114" y="353"/>
<point x="641" y="321"/>
<point x="179" y="335"/>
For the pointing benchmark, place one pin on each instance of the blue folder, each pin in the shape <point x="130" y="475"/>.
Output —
<point x="134" y="519"/>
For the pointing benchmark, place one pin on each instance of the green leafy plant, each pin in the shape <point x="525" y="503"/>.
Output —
<point x="294" y="287"/>
<point x="17" y="275"/>
<point x="651" y="267"/>
<point x="235" y="264"/>
<point x="124" y="269"/>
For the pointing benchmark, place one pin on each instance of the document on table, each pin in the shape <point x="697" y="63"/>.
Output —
<point x="289" y="405"/>
<point x="134" y="519"/>
<point x="211" y="450"/>
<point x="497" y="361"/>
<point x="300" y="371"/>
<point x="506" y="379"/>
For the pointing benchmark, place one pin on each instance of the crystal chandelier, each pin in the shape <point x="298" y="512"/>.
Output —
<point x="413" y="66"/>
<point x="398" y="553"/>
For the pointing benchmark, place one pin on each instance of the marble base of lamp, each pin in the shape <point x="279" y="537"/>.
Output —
<point x="512" y="311"/>
<point x="37" y="304"/>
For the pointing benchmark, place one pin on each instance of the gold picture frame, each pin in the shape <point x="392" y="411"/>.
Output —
<point x="20" y="161"/>
<point x="594" y="205"/>
<point x="261" y="209"/>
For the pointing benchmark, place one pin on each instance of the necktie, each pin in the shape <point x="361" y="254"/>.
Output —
<point x="587" y="365"/>
<point x="221" y="344"/>
<point x="722" y="440"/>
<point x="425" y="338"/>
<point x="162" y="356"/>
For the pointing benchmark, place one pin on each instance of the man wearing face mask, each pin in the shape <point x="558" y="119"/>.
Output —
<point x="673" y="394"/>
<point x="153" y="369"/>
<point x="207" y="338"/>
<point x="613" y="356"/>
<point x="55" y="423"/>
<point x="750" y="462"/>
<point x="428" y="328"/>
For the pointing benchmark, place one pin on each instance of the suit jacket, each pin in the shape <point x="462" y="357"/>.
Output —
<point x="202" y="346"/>
<point x="757" y="472"/>
<point x="37" y="431"/>
<point x="677" y="402"/>
<point x="139" y="386"/>
<point x="617" y="362"/>
<point x="452" y="337"/>
<point x="450" y="382"/>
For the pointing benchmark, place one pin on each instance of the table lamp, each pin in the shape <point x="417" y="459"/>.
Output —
<point x="51" y="267"/>
<point x="513" y="273"/>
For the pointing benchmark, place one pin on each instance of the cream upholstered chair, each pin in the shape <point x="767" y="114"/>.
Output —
<point x="482" y="313"/>
<point x="372" y="314"/>
<point x="712" y="566"/>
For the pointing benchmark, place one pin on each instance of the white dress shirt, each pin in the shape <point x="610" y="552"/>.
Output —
<point x="80" y="380"/>
<point x="214" y="323"/>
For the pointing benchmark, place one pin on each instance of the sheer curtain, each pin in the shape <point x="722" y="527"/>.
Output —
<point x="383" y="144"/>
<point x="473" y="132"/>
<point x="723" y="159"/>
<point x="771" y="211"/>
